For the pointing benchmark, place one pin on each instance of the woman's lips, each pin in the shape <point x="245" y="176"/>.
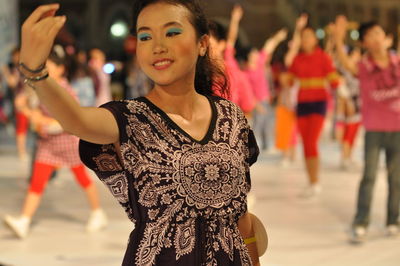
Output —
<point x="162" y="64"/>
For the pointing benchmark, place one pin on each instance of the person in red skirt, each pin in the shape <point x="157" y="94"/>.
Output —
<point x="55" y="148"/>
<point x="313" y="69"/>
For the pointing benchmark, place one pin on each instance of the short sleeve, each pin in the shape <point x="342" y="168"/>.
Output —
<point x="118" y="109"/>
<point x="249" y="144"/>
<point x="104" y="159"/>
<point x="254" y="151"/>
<point x="251" y="156"/>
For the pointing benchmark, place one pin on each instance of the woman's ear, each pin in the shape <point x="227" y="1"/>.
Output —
<point x="204" y="44"/>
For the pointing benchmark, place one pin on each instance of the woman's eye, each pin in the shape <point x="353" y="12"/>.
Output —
<point x="173" y="32"/>
<point x="144" y="37"/>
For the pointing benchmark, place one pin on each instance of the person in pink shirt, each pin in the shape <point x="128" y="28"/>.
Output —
<point x="255" y="69"/>
<point x="379" y="75"/>
<point x="223" y="50"/>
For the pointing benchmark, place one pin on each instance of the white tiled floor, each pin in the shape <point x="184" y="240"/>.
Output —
<point x="302" y="232"/>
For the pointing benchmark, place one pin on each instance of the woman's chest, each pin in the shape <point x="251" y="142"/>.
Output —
<point x="210" y="175"/>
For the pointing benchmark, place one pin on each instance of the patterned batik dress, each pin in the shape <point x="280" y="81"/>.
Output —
<point x="184" y="196"/>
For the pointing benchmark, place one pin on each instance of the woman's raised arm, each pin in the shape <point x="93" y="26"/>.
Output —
<point x="96" y="125"/>
<point x="294" y="47"/>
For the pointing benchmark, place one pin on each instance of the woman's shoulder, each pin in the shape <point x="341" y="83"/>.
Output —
<point x="221" y="101"/>
<point x="228" y="108"/>
<point x="126" y="106"/>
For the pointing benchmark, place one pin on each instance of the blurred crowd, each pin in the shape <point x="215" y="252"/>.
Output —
<point x="293" y="87"/>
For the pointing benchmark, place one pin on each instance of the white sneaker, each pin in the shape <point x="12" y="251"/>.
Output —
<point x="358" y="234"/>
<point x="311" y="191"/>
<point x="392" y="230"/>
<point x="97" y="221"/>
<point x="19" y="225"/>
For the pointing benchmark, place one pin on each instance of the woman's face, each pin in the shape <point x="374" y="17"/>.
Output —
<point x="97" y="59"/>
<point x="167" y="45"/>
<point x="308" y="40"/>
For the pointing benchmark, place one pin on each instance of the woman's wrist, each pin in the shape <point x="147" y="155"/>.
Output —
<point x="32" y="76"/>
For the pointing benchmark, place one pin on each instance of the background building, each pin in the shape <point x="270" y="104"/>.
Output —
<point x="90" y="21"/>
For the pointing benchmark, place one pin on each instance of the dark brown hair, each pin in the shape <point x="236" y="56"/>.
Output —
<point x="365" y="28"/>
<point x="210" y="78"/>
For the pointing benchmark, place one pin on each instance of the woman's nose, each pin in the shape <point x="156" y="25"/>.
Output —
<point x="159" y="47"/>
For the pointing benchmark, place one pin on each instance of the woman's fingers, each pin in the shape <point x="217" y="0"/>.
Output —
<point x="38" y="34"/>
<point x="45" y="26"/>
<point x="56" y="27"/>
<point x="50" y="13"/>
<point x="39" y="13"/>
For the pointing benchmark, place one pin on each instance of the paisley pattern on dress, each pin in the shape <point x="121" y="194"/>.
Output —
<point x="184" y="196"/>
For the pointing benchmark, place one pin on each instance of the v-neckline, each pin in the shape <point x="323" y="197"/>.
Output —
<point x="171" y="122"/>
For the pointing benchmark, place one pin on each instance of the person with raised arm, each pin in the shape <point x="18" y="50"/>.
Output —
<point x="241" y="90"/>
<point x="313" y="69"/>
<point x="256" y="70"/>
<point x="379" y="76"/>
<point x="295" y="43"/>
<point x="55" y="148"/>
<point x="177" y="159"/>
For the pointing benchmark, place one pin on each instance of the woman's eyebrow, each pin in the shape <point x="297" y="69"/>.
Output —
<point x="168" y="24"/>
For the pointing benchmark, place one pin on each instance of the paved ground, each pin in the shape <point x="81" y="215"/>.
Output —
<point x="302" y="232"/>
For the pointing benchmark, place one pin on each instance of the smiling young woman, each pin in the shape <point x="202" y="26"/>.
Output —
<point x="177" y="159"/>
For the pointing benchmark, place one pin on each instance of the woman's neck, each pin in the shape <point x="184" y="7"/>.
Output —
<point x="309" y="51"/>
<point x="175" y="100"/>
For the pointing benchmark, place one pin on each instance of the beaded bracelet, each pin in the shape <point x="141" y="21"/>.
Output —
<point x="34" y="71"/>
<point x="33" y="75"/>
<point x="30" y="81"/>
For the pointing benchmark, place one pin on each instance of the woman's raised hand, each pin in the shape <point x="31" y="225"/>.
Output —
<point x="340" y="28"/>
<point x="301" y="22"/>
<point x="237" y="13"/>
<point x="38" y="33"/>
<point x="281" y="35"/>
